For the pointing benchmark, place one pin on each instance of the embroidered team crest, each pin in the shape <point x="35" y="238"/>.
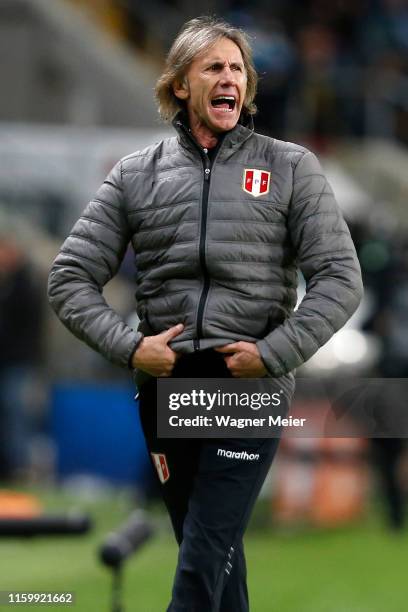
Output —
<point x="256" y="182"/>
<point x="161" y="466"/>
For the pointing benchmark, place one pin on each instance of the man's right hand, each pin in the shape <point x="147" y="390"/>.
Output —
<point x="154" y="356"/>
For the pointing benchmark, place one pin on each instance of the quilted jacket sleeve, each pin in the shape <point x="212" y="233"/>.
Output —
<point x="88" y="259"/>
<point x="328" y="261"/>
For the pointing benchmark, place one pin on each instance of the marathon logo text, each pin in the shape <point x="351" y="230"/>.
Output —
<point x="221" y="452"/>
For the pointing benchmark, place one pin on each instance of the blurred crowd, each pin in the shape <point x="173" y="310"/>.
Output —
<point x="328" y="69"/>
<point x="22" y="338"/>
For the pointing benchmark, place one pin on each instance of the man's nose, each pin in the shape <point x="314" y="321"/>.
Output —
<point x="227" y="76"/>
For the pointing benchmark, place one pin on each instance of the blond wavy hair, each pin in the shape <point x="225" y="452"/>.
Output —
<point x="195" y="37"/>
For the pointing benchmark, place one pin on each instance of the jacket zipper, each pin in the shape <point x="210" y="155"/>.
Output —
<point x="207" y="165"/>
<point x="201" y="250"/>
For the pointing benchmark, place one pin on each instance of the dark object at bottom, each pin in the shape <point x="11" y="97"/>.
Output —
<point x="121" y="544"/>
<point x="70" y="524"/>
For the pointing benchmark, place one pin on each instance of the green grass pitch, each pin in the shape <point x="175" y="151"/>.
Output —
<point x="355" y="569"/>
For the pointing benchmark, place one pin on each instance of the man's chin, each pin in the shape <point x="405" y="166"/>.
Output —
<point x="222" y="124"/>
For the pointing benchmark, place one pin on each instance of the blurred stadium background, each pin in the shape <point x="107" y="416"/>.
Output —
<point x="77" y="94"/>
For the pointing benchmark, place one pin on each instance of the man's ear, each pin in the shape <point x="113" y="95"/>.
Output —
<point x="181" y="89"/>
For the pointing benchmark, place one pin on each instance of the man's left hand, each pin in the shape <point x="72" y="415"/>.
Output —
<point x="243" y="360"/>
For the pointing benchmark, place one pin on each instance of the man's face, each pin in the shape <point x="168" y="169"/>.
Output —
<point x="214" y="88"/>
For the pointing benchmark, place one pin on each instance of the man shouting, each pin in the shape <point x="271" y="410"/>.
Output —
<point x="219" y="218"/>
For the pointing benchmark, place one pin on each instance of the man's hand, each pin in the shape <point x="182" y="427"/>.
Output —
<point x="243" y="360"/>
<point x="154" y="356"/>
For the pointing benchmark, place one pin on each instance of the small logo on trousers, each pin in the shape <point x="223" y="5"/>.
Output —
<point x="160" y="463"/>
<point x="221" y="452"/>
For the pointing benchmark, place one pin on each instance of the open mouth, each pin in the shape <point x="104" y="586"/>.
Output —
<point x="224" y="103"/>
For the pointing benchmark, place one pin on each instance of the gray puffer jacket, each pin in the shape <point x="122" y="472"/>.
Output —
<point x="216" y="248"/>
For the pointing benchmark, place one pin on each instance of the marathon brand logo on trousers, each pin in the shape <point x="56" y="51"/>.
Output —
<point x="256" y="182"/>
<point x="221" y="452"/>
<point x="160" y="463"/>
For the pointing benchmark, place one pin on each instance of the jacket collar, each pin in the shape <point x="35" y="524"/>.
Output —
<point x="234" y="138"/>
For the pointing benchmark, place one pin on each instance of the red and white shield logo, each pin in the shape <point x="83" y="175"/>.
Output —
<point x="161" y="466"/>
<point x="256" y="182"/>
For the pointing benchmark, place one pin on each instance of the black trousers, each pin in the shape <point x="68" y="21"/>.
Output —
<point x="209" y="497"/>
